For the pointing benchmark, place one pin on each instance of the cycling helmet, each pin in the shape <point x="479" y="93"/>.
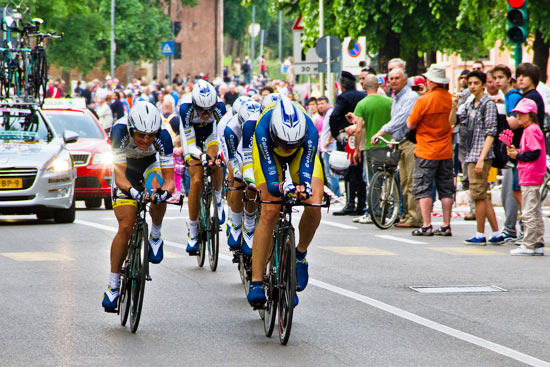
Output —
<point x="250" y="110"/>
<point x="269" y="99"/>
<point x="204" y="96"/>
<point x="288" y="124"/>
<point x="239" y="103"/>
<point x="145" y="118"/>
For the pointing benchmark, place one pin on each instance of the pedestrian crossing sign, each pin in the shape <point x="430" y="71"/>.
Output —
<point x="167" y="48"/>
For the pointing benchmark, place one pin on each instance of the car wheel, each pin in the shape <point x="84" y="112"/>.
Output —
<point x="93" y="203"/>
<point x="44" y="215"/>
<point x="108" y="203"/>
<point x="65" y="215"/>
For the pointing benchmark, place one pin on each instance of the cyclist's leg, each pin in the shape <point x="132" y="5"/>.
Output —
<point x="249" y="226"/>
<point x="125" y="213"/>
<point x="217" y="177"/>
<point x="193" y="203"/>
<point x="234" y="201"/>
<point x="153" y="180"/>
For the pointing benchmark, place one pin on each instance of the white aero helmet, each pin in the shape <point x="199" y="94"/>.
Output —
<point x="204" y="96"/>
<point x="145" y="118"/>
<point x="288" y="124"/>
<point x="269" y="99"/>
<point x="249" y="111"/>
<point x="239" y="103"/>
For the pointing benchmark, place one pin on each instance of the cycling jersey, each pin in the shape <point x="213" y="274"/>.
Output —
<point x="268" y="159"/>
<point x="237" y="142"/>
<point x="199" y="134"/>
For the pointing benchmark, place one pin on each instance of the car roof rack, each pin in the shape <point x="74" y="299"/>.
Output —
<point x="17" y="101"/>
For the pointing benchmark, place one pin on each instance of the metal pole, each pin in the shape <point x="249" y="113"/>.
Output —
<point x="321" y="34"/>
<point x="262" y="33"/>
<point x="329" y="75"/>
<point x="253" y="37"/>
<point x="518" y="54"/>
<point x="113" y="45"/>
<point x="169" y="58"/>
<point x="281" y="36"/>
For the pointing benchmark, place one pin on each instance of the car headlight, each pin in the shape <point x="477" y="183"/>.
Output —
<point x="61" y="163"/>
<point x="103" y="158"/>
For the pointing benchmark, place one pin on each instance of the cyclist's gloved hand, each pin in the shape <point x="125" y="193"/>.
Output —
<point x="235" y="164"/>
<point x="136" y="195"/>
<point x="220" y="162"/>
<point x="160" y="196"/>
<point x="308" y="191"/>
<point x="289" y="189"/>
<point x="205" y="158"/>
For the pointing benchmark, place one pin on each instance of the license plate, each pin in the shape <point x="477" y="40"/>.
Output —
<point x="11" y="183"/>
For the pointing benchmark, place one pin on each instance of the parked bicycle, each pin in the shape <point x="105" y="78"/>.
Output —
<point x="280" y="277"/>
<point x="384" y="196"/>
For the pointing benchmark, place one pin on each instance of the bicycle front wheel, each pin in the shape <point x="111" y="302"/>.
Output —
<point x="203" y="229"/>
<point x="213" y="235"/>
<point x="271" y="283"/>
<point x="287" y="285"/>
<point x="140" y="268"/>
<point x="384" y="199"/>
<point x="125" y="293"/>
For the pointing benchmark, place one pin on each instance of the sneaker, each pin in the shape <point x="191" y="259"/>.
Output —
<point x="221" y="214"/>
<point x="365" y="219"/>
<point x="235" y="237"/>
<point x="110" y="299"/>
<point x="155" y="250"/>
<point x="496" y="240"/>
<point x="296" y="300"/>
<point x="523" y="251"/>
<point x="470" y="216"/>
<point x="508" y="238"/>
<point x="539" y="249"/>
<point x="302" y="275"/>
<point x="192" y="246"/>
<point x="357" y="219"/>
<point x="476" y="241"/>
<point x="247" y="242"/>
<point x="256" y="295"/>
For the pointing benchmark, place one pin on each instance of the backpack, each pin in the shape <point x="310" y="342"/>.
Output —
<point x="499" y="148"/>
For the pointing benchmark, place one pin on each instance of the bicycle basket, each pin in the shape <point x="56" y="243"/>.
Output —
<point x="383" y="156"/>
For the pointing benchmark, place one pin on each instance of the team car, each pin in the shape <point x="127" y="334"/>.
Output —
<point x="36" y="170"/>
<point x="91" y="155"/>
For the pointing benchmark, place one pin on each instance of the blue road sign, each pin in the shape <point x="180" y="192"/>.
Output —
<point x="167" y="48"/>
<point x="355" y="51"/>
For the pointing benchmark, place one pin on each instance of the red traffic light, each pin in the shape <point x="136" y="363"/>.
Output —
<point x="516" y="3"/>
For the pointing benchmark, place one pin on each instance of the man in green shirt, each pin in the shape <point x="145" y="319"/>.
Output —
<point x="370" y="114"/>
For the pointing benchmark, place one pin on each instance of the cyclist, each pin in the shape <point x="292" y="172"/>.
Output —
<point x="138" y="175"/>
<point x="200" y="112"/>
<point x="269" y="99"/>
<point x="235" y="138"/>
<point x="285" y="135"/>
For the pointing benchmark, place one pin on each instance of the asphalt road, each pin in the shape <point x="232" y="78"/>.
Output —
<point x="357" y="310"/>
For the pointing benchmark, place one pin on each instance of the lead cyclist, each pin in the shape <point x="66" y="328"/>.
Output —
<point x="136" y="139"/>
<point x="284" y="135"/>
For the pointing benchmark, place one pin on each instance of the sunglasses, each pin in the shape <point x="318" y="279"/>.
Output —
<point x="143" y="135"/>
<point x="204" y="111"/>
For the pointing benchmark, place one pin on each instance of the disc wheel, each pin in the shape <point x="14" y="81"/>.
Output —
<point x="213" y="236"/>
<point x="270" y="311"/>
<point x="384" y="199"/>
<point x="140" y="267"/>
<point x="287" y="286"/>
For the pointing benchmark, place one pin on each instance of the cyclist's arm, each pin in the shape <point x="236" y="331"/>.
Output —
<point x="191" y="151"/>
<point x="119" y="139"/>
<point x="232" y="142"/>
<point x="165" y="148"/>
<point x="267" y="159"/>
<point x="307" y="161"/>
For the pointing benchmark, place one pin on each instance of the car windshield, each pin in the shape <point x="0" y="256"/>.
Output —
<point x="21" y="124"/>
<point x="80" y="123"/>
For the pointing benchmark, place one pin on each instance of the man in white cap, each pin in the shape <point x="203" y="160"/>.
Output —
<point x="434" y="151"/>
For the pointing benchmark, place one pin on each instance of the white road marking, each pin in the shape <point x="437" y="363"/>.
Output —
<point x="339" y="225"/>
<point x="469" y="338"/>
<point x="399" y="239"/>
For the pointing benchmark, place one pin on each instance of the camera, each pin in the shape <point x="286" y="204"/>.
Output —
<point x="416" y="88"/>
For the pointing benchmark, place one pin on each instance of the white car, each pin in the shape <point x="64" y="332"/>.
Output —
<point x="37" y="174"/>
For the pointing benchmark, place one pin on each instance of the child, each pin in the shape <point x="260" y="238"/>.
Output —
<point x="531" y="158"/>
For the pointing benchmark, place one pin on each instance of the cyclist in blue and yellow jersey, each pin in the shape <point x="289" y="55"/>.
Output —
<point x="285" y="135"/>
<point x="138" y="175"/>
<point x="200" y="112"/>
<point x="235" y="138"/>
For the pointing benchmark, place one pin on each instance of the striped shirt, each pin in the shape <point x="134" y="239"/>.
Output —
<point x="482" y="122"/>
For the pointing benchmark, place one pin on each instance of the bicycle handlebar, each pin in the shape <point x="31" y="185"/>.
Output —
<point x="391" y="142"/>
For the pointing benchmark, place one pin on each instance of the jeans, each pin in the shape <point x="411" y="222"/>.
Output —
<point x="333" y="181"/>
<point x="509" y="202"/>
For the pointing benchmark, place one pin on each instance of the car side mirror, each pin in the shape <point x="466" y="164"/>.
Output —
<point x="70" y="136"/>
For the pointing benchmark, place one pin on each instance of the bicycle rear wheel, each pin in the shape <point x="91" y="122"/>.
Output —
<point x="384" y="199"/>
<point x="125" y="293"/>
<point x="140" y="266"/>
<point x="213" y="235"/>
<point x="270" y="311"/>
<point x="245" y="271"/>
<point x="287" y="285"/>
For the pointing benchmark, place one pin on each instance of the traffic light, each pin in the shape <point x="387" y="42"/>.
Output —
<point x="517" y="21"/>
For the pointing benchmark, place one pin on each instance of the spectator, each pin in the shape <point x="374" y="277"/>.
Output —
<point x="117" y="108"/>
<point x="104" y="112"/>
<point x="403" y="103"/>
<point x="263" y="67"/>
<point x="232" y="95"/>
<point x="478" y="65"/>
<point x="480" y="117"/>
<point x="53" y="90"/>
<point x="528" y="77"/>
<point x="531" y="158"/>
<point x="510" y="192"/>
<point x="434" y="151"/>
<point x="327" y="144"/>
<point x="78" y="90"/>
<point x="370" y="114"/>
<point x="236" y="71"/>
<point x="265" y="91"/>
<point x="87" y="94"/>
<point x="345" y="103"/>
<point x="246" y="70"/>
